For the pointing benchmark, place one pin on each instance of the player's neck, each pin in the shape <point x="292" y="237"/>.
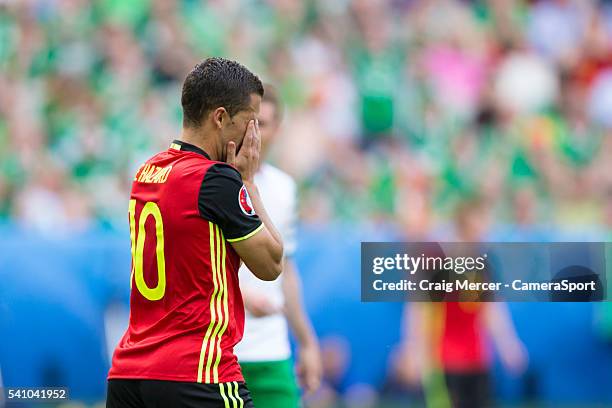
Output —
<point x="196" y="138"/>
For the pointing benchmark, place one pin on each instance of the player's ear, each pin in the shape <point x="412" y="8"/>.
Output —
<point x="219" y="116"/>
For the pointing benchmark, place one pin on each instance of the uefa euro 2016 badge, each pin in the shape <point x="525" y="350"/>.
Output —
<point x="244" y="201"/>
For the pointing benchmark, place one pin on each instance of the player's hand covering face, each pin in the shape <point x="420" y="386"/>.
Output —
<point x="234" y="128"/>
<point x="247" y="158"/>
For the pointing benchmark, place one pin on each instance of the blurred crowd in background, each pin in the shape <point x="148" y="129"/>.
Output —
<point x="396" y="110"/>
<point x="488" y="116"/>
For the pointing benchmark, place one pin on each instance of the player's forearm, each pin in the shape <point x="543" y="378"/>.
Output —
<point x="294" y="309"/>
<point x="417" y="334"/>
<point x="263" y="215"/>
<point x="499" y="324"/>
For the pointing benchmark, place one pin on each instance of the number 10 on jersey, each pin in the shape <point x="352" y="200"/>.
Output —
<point x="138" y="244"/>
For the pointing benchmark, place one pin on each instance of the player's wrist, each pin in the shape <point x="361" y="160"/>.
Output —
<point x="308" y="341"/>
<point x="250" y="185"/>
<point x="246" y="173"/>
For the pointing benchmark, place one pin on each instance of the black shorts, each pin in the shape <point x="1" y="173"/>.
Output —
<point x="174" y="394"/>
<point x="470" y="390"/>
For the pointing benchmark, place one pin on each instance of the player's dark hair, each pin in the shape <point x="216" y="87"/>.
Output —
<point x="217" y="82"/>
<point x="271" y="96"/>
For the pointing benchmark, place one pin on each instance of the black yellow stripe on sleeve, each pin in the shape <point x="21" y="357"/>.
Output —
<point x="249" y="235"/>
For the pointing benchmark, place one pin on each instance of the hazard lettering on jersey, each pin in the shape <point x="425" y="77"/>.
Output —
<point x="245" y="202"/>
<point x="149" y="173"/>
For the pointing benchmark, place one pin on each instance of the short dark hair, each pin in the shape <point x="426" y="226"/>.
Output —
<point x="271" y="96"/>
<point x="217" y="82"/>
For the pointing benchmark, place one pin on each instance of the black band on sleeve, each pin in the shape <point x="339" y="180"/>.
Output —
<point x="224" y="200"/>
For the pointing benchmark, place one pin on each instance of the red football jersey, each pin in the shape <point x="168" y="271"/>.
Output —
<point x="186" y="310"/>
<point x="463" y="346"/>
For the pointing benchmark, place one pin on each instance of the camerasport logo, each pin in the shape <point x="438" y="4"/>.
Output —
<point x="245" y="202"/>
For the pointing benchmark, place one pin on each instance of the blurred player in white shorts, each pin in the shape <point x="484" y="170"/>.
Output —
<point x="273" y="307"/>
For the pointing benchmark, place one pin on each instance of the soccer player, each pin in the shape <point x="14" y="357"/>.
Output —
<point x="447" y="345"/>
<point x="194" y="213"/>
<point x="264" y="352"/>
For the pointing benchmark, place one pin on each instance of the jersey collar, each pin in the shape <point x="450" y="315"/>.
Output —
<point x="188" y="147"/>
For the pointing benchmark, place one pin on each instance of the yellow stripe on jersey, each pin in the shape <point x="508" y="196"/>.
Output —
<point x="219" y="310"/>
<point x="220" y="323"/>
<point x="175" y="146"/>
<point x="212" y="304"/>
<point x="222" y="390"/>
<point x="249" y="235"/>
<point x="225" y="310"/>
